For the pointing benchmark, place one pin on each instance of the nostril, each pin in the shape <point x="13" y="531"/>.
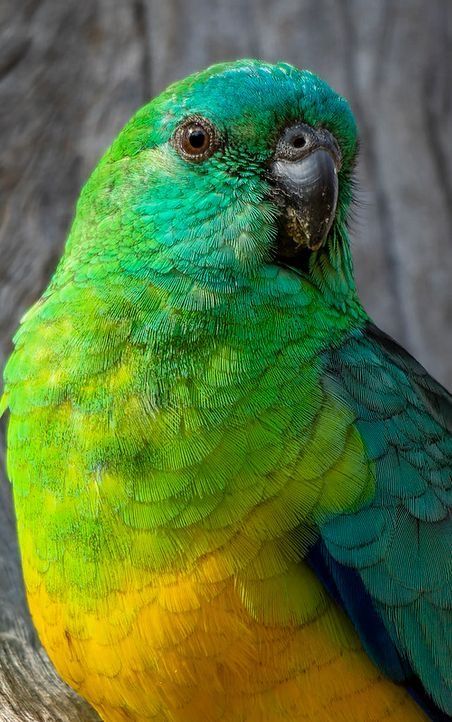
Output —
<point x="299" y="141"/>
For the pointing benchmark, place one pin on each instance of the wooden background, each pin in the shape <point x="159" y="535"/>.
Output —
<point x="71" y="74"/>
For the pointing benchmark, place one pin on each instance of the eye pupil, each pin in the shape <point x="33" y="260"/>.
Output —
<point x="299" y="142"/>
<point x="197" y="138"/>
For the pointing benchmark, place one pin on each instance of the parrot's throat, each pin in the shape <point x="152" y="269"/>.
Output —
<point x="329" y="268"/>
<point x="288" y="252"/>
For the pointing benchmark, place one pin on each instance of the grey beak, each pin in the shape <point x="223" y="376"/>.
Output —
<point x="304" y="176"/>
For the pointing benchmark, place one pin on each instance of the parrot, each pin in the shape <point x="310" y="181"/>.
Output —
<point x="232" y="490"/>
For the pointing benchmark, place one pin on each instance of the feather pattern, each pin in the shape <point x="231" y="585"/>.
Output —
<point x="230" y="498"/>
<point x="400" y="543"/>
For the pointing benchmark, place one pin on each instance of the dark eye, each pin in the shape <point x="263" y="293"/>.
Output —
<point x="196" y="139"/>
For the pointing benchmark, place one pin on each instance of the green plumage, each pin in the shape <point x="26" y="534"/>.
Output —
<point x="181" y="403"/>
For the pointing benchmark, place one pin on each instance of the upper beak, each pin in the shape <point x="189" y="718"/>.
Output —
<point x="304" y="178"/>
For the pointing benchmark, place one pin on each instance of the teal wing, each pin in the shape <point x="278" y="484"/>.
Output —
<point x="399" y="545"/>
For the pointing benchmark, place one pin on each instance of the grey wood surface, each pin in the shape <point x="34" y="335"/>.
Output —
<point x="72" y="72"/>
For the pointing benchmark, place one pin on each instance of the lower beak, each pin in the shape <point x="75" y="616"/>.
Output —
<point x="306" y="190"/>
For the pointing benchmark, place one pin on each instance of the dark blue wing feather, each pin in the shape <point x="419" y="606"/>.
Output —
<point x="345" y="585"/>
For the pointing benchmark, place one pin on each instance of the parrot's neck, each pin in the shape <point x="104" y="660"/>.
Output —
<point x="180" y="313"/>
<point x="331" y="271"/>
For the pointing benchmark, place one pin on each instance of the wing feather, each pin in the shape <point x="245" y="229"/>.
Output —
<point x="400" y="543"/>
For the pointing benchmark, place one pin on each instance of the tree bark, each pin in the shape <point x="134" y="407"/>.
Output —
<point x="72" y="73"/>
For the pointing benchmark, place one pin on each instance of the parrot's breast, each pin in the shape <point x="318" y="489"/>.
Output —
<point x="169" y="468"/>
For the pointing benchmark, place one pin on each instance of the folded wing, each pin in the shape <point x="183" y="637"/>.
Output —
<point x="390" y="563"/>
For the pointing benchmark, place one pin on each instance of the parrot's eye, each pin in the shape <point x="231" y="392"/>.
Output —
<point x="196" y="139"/>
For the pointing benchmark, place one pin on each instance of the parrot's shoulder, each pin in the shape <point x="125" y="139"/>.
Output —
<point x="429" y="393"/>
<point x="403" y="415"/>
<point x="383" y="382"/>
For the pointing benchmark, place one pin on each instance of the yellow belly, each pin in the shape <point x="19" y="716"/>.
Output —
<point x="183" y="651"/>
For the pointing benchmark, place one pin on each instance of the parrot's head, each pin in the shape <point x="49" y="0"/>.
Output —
<point x="242" y="165"/>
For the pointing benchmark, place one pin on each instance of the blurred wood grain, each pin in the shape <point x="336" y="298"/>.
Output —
<point x="71" y="74"/>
